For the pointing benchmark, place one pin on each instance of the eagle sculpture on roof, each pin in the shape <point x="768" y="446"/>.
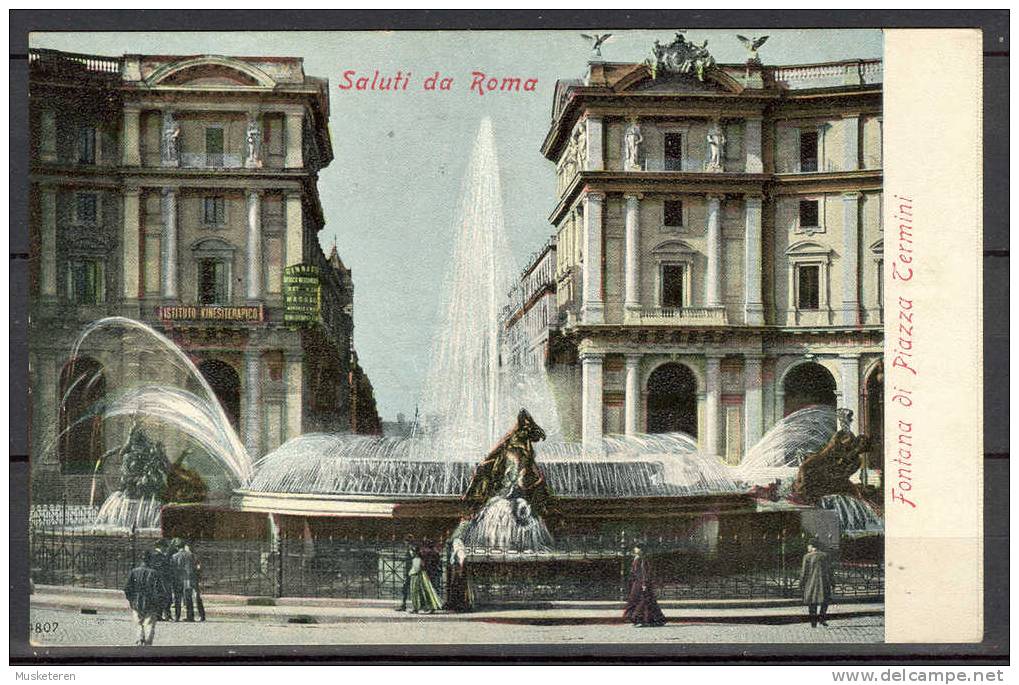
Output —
<point x="752" y="45"/>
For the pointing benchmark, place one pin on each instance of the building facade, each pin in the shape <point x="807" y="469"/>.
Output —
<point x="718" y="249"/>
<point x="531" y="319"/>
<point x="182" y="192"/>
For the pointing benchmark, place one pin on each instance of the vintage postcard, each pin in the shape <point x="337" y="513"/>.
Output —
<point x="604" y="337"/>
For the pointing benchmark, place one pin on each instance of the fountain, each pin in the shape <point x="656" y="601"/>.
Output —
<point x="318" y="484"/>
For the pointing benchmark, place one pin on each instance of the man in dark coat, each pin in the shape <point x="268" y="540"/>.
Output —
<point x="816" y="583"/>
<point x="408" y="558"/>
<point x="146" y="593"/>
<point x="162" y="563"/>
<point x="641" y="606"/>
<point x="185" y="576"/>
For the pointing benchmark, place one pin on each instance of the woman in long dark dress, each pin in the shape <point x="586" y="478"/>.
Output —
<point x="459" y="596"/>
<point x="641" y="606"/>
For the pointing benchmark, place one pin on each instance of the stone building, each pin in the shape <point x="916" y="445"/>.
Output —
<point x="719" y="247"/>
<point x="532" y="316"/>
<point x="182" y="192"/>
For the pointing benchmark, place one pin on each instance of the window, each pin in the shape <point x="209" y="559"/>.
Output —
<point x="86" y="208"/>
<point x="214" y="146"/>
<point x="214" y="211"/>
<point x="86" y="281"/>
<point x="674" y="213"/>
<point x="672" y="285"/>
<point x="809" y="214"/>
<point x="808" y="151"/>
<point x="86" y="145"/>
<point x="212" y="281"/>
<point x="808" y="287"/>
<point x="673" y="151"/>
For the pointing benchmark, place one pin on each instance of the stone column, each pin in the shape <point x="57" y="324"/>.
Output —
<point x="632" y="398"/>
<point x="713" y="403"/>
<point x="130" y="141"/>
<point x="45" y="407"/>
<point x="254" y="251"/>
<point x="295" y="229"/>
<point x="130" y="239"/>
<point x="779" y="408"/>
<point x="595" y="136"/>
<point x="48" y="242"/>
<point x="850" y="259"/>
<point x="591" y="401"/>
<point x="714" y="238"/>
<point x="295" y="140"/>
<point x="754" y="309"/>
<point x="593" y="308"/>
<point x="752" y="142"/>
<point x="851" y="136"/>
<point x="48" y="136"/>
<point x="169" y="244"/>
<point x="753" y="400"/>
<point x="295" y="392"/>
<point x="849" y="366"/>
<point x="252" y="425"/>
<point x="632" y="275"/>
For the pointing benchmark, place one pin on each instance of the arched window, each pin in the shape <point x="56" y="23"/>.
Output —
<point x="807" y="385"/>
<point x="672" y="400"/>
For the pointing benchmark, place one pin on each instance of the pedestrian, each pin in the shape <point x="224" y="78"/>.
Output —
<point x="185" y="568"/>
<point x="431" y="559"/>
<point x="162" y="561"/>
<point x="641" y="606"/>
<point x="459" y="595"/>
<point x="408" y="557"/>
<point x="422" y="594"/>
<point x="146" y="593"/>
<point x="816" y="583"/>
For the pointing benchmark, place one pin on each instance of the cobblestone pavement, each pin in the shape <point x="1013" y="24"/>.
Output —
<point x="64" y="627"/>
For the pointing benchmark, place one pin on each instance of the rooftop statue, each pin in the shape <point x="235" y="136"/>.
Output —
<point x="752" y="45"/>
<point x="680" y="57"/>
<point x="596" y="40"/>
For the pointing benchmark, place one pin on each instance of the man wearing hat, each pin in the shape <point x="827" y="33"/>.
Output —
<point x="816" y="583"/>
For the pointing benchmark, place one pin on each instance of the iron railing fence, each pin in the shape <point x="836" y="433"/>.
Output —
<point x="582" y="567"/>
<point x="62" y="514"/>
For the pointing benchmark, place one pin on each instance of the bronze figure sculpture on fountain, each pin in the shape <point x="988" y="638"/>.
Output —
<point x="508" y="494"/>
<point x="827" y="471"/>
<point x="510" y="469"/>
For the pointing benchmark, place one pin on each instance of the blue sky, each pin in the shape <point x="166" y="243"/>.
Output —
<point x="391" y="193"/>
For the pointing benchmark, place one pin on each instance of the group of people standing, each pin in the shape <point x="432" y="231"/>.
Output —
<point x="423" y="562"/>
<point x="167" y="577"/>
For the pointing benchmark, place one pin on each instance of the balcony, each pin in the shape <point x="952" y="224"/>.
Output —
<point x="73" y="64"/>
<point x="678" y="316"/>
<point x="204" y="160"/>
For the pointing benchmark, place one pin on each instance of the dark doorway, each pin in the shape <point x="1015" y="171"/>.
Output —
<point x="227" y="386"/>
<point x="874" y="418"/>
<point x="82" y="387"/>
<point x="806" y="385"/>
<point x="672" y="400"/>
